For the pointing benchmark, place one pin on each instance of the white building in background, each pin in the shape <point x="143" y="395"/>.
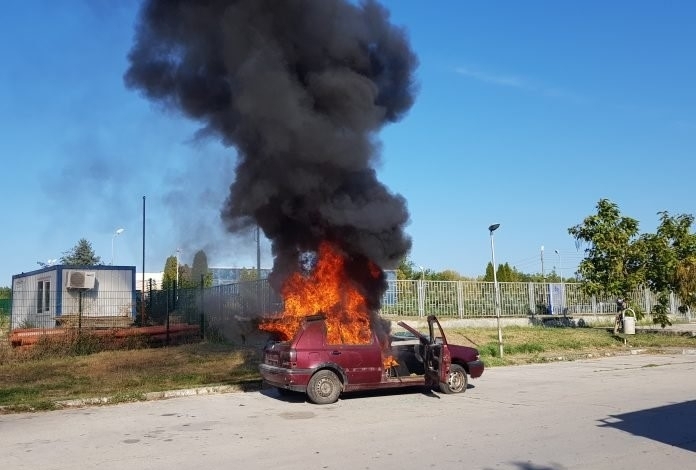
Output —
<point x="43" y="297"/>
<point x="151" y="279"/>
<point x="223" y="276"/>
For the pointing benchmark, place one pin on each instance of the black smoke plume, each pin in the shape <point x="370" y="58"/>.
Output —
<point x="300" y="88"/>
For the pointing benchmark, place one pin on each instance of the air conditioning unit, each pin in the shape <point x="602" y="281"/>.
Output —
<point x="81" y="279"/>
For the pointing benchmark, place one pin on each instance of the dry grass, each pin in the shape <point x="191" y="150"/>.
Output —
<point x="30" y="383"/>
<point x="41" y="378"/>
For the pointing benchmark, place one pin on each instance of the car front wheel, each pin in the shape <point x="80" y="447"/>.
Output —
<point x="324" y="388"/>
<point x="456" y="380"/>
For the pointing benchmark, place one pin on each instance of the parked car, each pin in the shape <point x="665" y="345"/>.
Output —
<point x="308" y="364"/>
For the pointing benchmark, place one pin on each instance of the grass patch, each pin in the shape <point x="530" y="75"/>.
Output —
<point x="40" y="380"/>
<point x="28" y="382"/>
<point x="524" y="345"/>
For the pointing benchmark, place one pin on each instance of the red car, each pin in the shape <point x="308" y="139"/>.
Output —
<point x="323" y="371"/>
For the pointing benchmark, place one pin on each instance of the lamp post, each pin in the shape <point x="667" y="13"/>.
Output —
<point x="177" y="269"/>
<point x="116" y="233"/>
<point x="491" y="229"/>
<point x="560" y="272"/>
<point x="543" y="278"/>
<point x="421" y="293"/>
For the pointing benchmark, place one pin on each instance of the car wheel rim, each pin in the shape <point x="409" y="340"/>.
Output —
<point x="455" y="381"/>
<point x="324" y="388"/>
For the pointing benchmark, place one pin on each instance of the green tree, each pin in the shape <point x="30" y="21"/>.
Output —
<point x="613" y="263"/>
<point x="407" y="269"/>
<point x="169" y="277"/>
<point x="488" y="277"/>
<point x="686" y="282"/>
<point x="668" y="259"/>
<point x="447" y="275"/>
<point x="200" y="270"/>
<point x="248" y="274"/>
<point x="5" y="292"/>
<point x="81" y="254"/>
<point x="505" y="273"/>
<point x="186" y="280"/>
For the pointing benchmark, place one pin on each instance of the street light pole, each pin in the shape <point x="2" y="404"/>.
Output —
<point x="177" y="269"/>
<point x="543" y="278"/>
<point x="421" y="293"/>
<point x="116" y="233"/>
<point x="491" y="229"/>
<point x="560" y="271"/>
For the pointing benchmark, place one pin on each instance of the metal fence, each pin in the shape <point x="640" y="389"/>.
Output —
<point x="5" y="307"/>
<point x="476" y="299"/>
<point x="245" y="301"/>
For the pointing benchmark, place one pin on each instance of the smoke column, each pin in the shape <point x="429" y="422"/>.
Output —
<point x="300" y="88"/>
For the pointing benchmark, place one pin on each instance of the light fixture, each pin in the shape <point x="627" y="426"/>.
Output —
<point x="491" y="229"/>
<point x="118" y="232"/>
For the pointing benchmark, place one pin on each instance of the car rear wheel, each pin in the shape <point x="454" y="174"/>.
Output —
<point x="457" y="380"/>
<point x="323" y="388"/>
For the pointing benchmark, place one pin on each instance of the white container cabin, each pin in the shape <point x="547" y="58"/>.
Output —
<point x="64" y="295"/>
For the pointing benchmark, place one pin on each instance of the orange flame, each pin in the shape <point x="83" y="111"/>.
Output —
<point x="389" y="361"/>
<point x="329" y="291"/>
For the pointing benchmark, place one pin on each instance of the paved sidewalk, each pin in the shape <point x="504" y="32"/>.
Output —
<point x="675" y="328"/>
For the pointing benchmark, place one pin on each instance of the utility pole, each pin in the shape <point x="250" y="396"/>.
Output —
<point x="543" y="278"/>
<point x="258" y="252"/>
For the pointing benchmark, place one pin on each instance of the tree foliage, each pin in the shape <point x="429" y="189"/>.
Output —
<point x="169" y="276"/>
<point x="200" y="271"/>
<point x="507" y="273"/>
<point x="686" y="281"/>
<point x="613" y="261"/>
<point x="669" y="254"/>
<point x="618" y="260"/>
<point x="81" y="254"/>
<point x="248" y="274"/>
<point x="408" y="270"/>
<point x="189" y="276"/>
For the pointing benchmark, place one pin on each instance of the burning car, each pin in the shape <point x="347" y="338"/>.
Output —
<point x="302" y="102"/>
<point x="322" y="368"/>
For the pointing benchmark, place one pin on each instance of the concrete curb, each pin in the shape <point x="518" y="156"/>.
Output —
<point x="628" y="352"/>
<point x="150" y="396"/>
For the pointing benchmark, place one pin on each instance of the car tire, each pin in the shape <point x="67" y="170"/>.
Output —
<point x="457" y="380"/>
<point x="323" y="388"/>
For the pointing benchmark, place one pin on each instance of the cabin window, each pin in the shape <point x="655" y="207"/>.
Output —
<point x="43" y="296"/>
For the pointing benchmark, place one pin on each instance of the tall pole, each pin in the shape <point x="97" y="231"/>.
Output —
<point x="560" y="275"/>
<point x="543" y="278"/>
<point x="177" y="269"/>
<point x="116" y="233"/>
<point x="492" y="229"/>
<point x="421" y="293"/>
<point x="258" y="253"/>
<point x="258" y="268"/>
<point x="543" y="281"/>
<point x="142" y="293"/>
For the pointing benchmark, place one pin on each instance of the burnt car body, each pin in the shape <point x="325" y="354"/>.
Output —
<point x="307" y="364"/>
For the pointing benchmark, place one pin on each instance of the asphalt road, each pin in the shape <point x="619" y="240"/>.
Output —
<point x="628" y="412"/>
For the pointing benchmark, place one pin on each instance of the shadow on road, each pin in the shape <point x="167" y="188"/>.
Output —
<point x="299" y="397"/>
<point x="669" y="424"/>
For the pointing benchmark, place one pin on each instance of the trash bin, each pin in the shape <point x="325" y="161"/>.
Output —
<point x="629" y="323"/>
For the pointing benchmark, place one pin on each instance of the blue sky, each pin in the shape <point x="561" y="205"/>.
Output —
<point x="527" y="114"/>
